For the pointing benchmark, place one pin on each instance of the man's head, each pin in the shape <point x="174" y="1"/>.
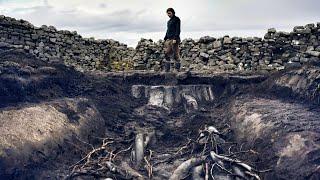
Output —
<point x="170" y="12"/>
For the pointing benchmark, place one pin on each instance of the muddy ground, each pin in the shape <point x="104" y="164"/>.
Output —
<point x="52" y="116"/>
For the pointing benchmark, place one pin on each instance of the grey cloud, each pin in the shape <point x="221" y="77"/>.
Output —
<point x="252" y="14"/>
<point x="122" y="20"/>
<point x="31" y="9"/>
<point x="103" y="5"/>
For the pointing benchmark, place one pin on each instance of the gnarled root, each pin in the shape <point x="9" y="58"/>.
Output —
<point x="183" y="170"/>
<point x="139" y="149"/>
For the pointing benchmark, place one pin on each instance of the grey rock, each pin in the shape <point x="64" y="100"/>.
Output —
<point x="272" y="30"/>
<point x="294" y="59"/>
<point x="212" y="62"/>
<point x="204" y="55"/>
<point x="34" y="36"/>
<point x="304" y="60"/>
<point x="227" y="40"/>
<point x="211" y="52"/>
<point x="292" y="65"/>
<point x="5" y="45"/>
<point x="53" y="40"/>
<point x="41" y="44"/>
<point x="206" y="39"/>
<point x="313" y="53"/>
<point x="301" y="30"/>
<point x="229" y="66"/>
<point x="217" y="44"/>
<point x="310" y="26"/>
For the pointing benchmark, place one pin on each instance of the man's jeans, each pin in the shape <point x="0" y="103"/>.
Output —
<point x="172" y="49"/>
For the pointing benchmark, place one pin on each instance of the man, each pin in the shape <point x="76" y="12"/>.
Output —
<point x="172" y="40"/>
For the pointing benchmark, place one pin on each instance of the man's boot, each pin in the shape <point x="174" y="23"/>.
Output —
<point x="165" y="66"/>
<point x="172" y="66"/>
<point x="177" y="66"/>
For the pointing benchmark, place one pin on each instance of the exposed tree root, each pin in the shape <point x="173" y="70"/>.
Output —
<point x="206" y="161"/>
<point x="182" y="171"/>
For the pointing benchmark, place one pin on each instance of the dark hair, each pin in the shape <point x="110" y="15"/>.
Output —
<point x="171" y="10"/>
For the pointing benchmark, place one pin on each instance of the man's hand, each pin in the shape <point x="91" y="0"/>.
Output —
<point x="174" y="41"/>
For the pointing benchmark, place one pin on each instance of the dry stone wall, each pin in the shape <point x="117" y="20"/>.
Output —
<point x="276" y="51"/>
<point x="49" y="44"/>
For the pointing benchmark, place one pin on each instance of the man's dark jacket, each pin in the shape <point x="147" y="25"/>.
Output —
<point x="173" y="31"/>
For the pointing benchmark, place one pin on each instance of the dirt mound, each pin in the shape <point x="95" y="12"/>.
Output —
<point x="34" y="133"/>
<point x="285" y="134"/>
<point x="48" y="114"/>
<point x="303" y="83"/>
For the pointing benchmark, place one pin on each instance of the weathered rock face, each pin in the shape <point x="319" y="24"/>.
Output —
<point x="275" y="51"/>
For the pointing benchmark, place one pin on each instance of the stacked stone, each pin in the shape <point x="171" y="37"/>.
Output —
<point x="120" y="56"/>
<point x="275" y="51"/>
<point x="300" y="46"/>
<point x="148" y="55"/>
<point x="48" y="44"/>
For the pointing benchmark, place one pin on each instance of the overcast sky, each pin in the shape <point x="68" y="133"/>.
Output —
<point x="129" y="20"/>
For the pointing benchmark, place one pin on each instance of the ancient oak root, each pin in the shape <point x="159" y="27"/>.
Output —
<point x="142" y="140"/>
<point x="239" y="168"/>
<point x="139" y="149"/>
<point x="184" y="169"/>
<point x="190" y="103"/>
<point x="196" y="173"/>
<point x="130" y="171"/>
<point x="100" y="162"/>
<point x="210" y="163"/>
<point x="205" y="161"/>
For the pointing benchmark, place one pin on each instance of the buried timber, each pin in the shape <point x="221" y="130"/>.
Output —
<point x="58" y="123"/>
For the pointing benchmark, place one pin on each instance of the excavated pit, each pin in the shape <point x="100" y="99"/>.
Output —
<point x="53" y="116"/>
